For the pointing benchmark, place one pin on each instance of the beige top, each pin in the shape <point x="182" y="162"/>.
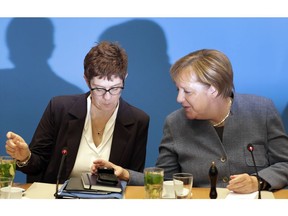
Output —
<point x="88" y="152"/>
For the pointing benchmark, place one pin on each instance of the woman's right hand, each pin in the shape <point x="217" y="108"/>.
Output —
<point x="16" y="147"/>
<point x="121" y="173"/>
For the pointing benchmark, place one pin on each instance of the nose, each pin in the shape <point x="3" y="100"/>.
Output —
<point x="107" y="95"/>
<point x="180" y="96"/>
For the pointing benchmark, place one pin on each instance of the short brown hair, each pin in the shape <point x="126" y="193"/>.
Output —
<point x="210" y="66"/>
<point x="105" y="60"/>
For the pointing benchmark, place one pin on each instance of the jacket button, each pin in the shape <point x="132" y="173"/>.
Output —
<point x="225" y="179"/>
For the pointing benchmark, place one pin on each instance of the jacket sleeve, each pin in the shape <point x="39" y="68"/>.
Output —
<point x="277" y="150"/>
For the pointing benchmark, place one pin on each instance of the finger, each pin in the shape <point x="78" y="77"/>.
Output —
<point x="9" y="148"/>
<point x="10" y="151"/>
<point x="238" y="186"/>
<point x="97" y="161"/>
<point x="93" y="168"/>
<point x="118" y="172"/>
<point x="97" y="164"/>
<point x="103" y="163"/>
<point x="236" y="179"/>
<point x="11" y="135"/>
<point x="234" y="188"/>
<point x="20" y="144"/>
<point x="12" y="144"/>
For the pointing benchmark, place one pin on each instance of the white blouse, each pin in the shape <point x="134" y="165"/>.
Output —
<point x="88" y="151"/>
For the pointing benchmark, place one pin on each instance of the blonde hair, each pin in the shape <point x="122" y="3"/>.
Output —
<point x="211" y="67"/>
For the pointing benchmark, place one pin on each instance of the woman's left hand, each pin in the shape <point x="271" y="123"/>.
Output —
<point x="243" y="183"/>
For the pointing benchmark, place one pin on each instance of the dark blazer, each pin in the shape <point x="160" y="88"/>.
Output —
<point x="61" y="126"/>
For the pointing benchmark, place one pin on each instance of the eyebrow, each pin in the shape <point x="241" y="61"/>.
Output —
<point x="116" y="85"/>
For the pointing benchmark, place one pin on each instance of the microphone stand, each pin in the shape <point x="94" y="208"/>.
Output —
<point x="56" y="195"/>
<point x="64" y="153"/>
<point x="250" y="149"/>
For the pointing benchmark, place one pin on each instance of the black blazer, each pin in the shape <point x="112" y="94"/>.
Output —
<point x="61" y="126"/>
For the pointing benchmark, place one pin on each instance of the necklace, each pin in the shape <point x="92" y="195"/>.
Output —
<point x="100" y="131"/>
<point x="224" y="119"/>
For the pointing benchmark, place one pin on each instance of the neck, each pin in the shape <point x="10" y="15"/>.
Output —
<point x="222" y="121"/>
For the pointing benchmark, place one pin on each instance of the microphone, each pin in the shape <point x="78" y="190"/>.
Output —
<point x="64" y="154"/>
<point x="250" y="148"/>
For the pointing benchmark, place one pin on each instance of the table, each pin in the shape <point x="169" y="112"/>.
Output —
<point x="137" y="192"/>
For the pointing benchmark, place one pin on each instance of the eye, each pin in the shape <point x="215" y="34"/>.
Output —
<point x="187" y="92"/>
<point x="100" y="89"/>
<point x="114" y="89"/>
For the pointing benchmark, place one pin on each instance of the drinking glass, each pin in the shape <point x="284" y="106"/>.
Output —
<point x="153" y="182"/>
<point x="5" y="187"/>
<point x="183" y="185"/>
<point x="7" y="166"/>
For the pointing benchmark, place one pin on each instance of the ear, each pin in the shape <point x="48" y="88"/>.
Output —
<point x="213" y="91"/>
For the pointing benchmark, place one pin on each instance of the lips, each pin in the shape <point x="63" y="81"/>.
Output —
<point x="185" y="107"/>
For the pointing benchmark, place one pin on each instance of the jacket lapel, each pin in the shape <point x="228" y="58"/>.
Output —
<point x="76" y="123"/>
<point x="121" y="131"/>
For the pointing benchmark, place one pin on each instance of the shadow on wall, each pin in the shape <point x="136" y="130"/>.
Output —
<point x="26" y="89"/>
<point x="148" y="84"/>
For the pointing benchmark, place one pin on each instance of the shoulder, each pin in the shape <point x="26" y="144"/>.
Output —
<point x="249" y="103"/>
<point x="179" y="113"/>
<point x="252" y="99"/>
<point x="177" y="118"/>
<point x="68" y="101"/>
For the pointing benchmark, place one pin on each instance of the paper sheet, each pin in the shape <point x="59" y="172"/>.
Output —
<point x="232" y="195"/>
<point x="40" y="191"/>
<point x="224" y="193"/>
